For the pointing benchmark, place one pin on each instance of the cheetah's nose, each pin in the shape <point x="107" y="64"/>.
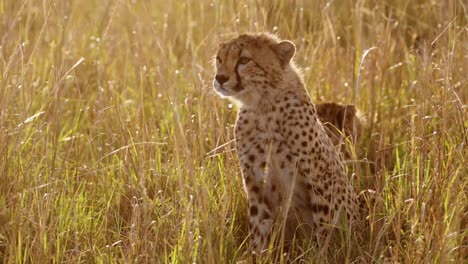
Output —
<point x="221" y="78"/>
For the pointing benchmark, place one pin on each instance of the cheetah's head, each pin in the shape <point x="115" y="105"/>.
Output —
<point x="251" y="65"/>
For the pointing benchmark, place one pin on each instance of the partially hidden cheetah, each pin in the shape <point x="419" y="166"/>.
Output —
<point x="342" y="123"/>
<point x="294" y="177"/>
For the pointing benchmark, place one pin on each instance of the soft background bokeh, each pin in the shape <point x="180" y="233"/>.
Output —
<point x="112" y="139"/>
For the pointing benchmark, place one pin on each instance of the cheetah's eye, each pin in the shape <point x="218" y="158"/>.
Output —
<point x="218" y="59"/>
<point x="244" y="60"/>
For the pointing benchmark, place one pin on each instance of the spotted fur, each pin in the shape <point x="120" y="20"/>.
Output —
<point x="341" y="123"/>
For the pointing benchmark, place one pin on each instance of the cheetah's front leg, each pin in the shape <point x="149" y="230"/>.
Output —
<point x="260" y="211"/>
<point x="260" y="219"/>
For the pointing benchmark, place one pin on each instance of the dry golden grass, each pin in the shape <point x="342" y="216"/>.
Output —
<point x="111" y="138"/>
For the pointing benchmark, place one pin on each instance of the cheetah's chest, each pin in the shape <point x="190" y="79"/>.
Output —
<point x="252" y="130"/>
<point x="262" y="149"/>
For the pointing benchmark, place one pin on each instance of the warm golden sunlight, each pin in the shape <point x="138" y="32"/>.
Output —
<point x="116" y="148"/>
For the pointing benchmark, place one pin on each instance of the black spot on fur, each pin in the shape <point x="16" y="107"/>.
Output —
<point x="255" y="189"/>
<point x="253" y="210"/>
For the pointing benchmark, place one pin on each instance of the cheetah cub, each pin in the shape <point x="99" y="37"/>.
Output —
<point x="293" y="175"/>
<point x="342" y="123"/>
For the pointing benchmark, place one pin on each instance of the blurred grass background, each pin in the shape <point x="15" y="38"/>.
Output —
<point x="111" y="137"/>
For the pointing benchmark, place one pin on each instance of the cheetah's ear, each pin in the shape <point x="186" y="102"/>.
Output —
<point x="285" y="50"/>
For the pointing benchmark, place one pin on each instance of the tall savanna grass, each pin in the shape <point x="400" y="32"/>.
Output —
<point x="114" y="147"/>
